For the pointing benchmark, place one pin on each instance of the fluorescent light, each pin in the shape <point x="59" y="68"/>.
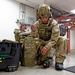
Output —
<point x="68" y="20"/>
<point x="73" y="11"/>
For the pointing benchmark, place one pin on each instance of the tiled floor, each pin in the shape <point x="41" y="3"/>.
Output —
<point x="70" y="61"/>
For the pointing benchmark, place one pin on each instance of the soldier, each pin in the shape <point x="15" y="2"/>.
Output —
<point x="48" y="33"/>
<point x="18" y="32"/>
<point x="23" y="28"/>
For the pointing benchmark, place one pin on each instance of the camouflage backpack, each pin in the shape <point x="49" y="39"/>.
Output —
<point x="29" y="52"/>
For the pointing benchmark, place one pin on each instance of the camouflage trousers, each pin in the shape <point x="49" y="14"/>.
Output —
<point x="60" y="50"/>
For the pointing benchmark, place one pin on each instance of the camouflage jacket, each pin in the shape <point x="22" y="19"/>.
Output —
<point x="48" y="32"/>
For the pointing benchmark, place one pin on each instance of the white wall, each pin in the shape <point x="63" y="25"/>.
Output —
<point x="27" y="14"/>
<point x="30" y="12"/>
<point x="22" y="11"/>
<point x="72" y="39"/>
<point x="9" y="13"/>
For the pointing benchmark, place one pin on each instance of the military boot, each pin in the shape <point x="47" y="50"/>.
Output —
<point x="47" y="62"/>
<point x="58" y="66"/>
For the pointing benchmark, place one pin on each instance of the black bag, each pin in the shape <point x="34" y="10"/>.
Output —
<point x="9" y="55"/>
<point x="62" y="30"/>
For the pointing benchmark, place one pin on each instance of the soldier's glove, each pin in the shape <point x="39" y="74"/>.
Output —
<point x="44" y="50"/>
<point x="41" y="51"/>
<point x="33" y="28"/>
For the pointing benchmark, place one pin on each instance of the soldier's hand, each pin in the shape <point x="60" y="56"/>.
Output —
<point x="44" y="50"/>
<point x="33" y="28"/>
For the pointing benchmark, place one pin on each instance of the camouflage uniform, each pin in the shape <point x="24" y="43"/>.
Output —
<point x="20" y="36"/>
<point x="50" y="35"/>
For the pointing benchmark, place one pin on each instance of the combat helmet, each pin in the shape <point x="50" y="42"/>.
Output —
<point x="44" y="10"/>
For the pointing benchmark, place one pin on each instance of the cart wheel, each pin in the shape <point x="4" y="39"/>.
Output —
<point x="14" y="68"/>
<point x="9" y="69"/>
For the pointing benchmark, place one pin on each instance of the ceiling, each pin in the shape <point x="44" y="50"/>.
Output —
<point x="62" y="5"/>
